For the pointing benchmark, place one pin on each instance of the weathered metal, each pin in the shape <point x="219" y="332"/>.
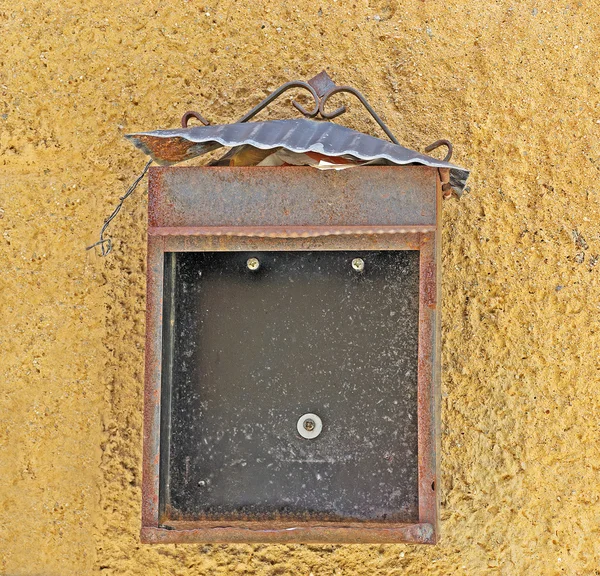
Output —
<point x="265" y="209"/>
<point x="284" y="88"/>
<point x="253" y="350"/>
<point x="299" y="136"/>
<point x="291" y="197"/>
<point x="421" y="533"/>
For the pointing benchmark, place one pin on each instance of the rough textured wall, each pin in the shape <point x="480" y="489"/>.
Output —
<point x="513" y="84"/>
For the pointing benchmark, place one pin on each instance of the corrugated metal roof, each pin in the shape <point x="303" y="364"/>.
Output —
<point x="297" y="135"/>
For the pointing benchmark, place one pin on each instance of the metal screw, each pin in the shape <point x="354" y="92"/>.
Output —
<point x="358" y="264"/>
<point x="253" y="264"/>
<point x="309" y="425"/>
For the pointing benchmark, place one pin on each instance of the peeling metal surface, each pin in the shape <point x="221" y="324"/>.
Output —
<point x="298" y="135"/>
<point x="292" y="198"/>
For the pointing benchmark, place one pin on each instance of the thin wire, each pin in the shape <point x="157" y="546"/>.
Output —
<point x="106" y="243"/>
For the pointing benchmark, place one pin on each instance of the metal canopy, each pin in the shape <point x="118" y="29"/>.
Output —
<point x="296" y="135"/>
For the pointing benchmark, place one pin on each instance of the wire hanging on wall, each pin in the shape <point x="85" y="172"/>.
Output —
<point x="106" y="243"/>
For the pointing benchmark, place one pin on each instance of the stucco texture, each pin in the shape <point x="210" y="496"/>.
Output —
<point x="515" y="86"/>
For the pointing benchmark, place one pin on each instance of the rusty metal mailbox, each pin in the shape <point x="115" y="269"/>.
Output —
<point x="292" y="360"/>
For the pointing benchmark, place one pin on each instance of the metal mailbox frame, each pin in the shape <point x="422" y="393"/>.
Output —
<point x="296" y="208"/>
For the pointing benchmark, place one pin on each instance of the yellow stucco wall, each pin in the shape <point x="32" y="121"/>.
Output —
<point x="513" y="84"/>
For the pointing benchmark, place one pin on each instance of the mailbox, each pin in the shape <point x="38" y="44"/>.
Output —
<point x="293" y="336"/>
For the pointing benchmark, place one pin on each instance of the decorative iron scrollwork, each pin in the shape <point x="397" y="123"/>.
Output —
<point x="321" y="88"/>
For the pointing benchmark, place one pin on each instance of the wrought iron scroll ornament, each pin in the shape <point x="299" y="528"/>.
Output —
<point x="321" y="88"/>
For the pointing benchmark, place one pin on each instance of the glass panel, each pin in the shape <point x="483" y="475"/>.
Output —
<point x="248" y="352"/>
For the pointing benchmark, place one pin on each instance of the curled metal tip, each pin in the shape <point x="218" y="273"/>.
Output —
<point x="439" y="143"/>
<point x="191" y="114"/>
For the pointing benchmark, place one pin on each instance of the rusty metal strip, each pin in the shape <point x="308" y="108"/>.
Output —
<point x="249" y="243"/>
<point x="286" y="231"/>
<point x="421" y="533"/>
<point x="374" y="197"/>
<point x="429" y="371"/>
<point x="428" y="485"/>
<point x="439" y="143"/>
<point x="152" y="388"/>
